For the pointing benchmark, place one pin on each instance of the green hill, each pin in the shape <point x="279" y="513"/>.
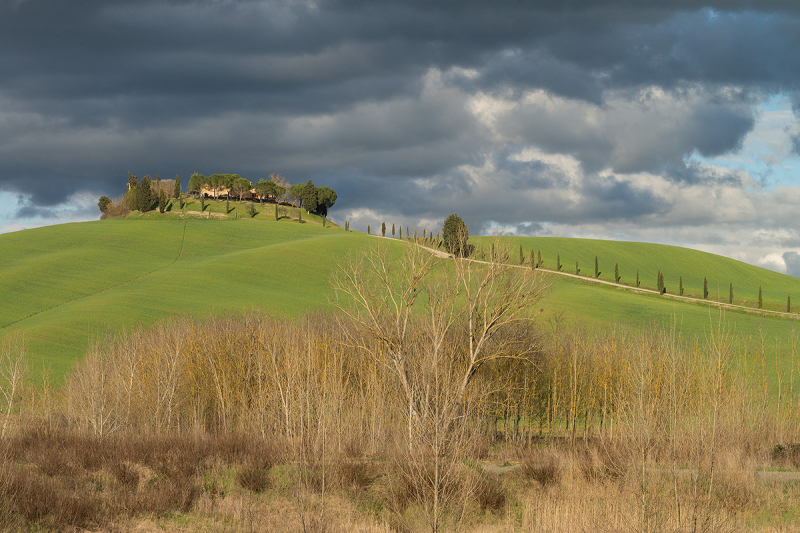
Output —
<point x="673" y="261"/>
<point x="66" y="285"/>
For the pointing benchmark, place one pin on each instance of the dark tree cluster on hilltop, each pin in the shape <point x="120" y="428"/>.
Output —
<point x="312" y="198"/>
<point x="146" y="194"/>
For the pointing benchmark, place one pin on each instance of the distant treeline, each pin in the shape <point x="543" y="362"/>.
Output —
<point x="146" y="194"/>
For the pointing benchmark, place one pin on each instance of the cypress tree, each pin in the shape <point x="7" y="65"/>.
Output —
<point x="789" y="304"/>
<point x="383" y="229"/>
<point x="730" y="295"/>
<point x="616" y="272"/>
<point x="310" y="198"/>
<point x="300" y="215"/>
<point x="202" y="204"/>
<point x="521" y="256"/>
<point x="368" y="232"/>
<point x="145" y="194"/>
<point x="558" y="262"/>
<point x="659" y="281"/>
<point x="276" y="212"/>
<point x="760" y="301"/>
<point x="393" y="230"/>
<point x="162" y="201"/>
<point x="424" y="234"/>
<point x="227" y="206"/>
<point x="637" y="278"/>
<point x="680" y="285"/>
<point x="323" y="221"/>
<point x="705" y="288"/>
<point x="539" y="260"/>
<point x="596" y="268"/>
<point x="177" y="192"/>
<point x="577" y="270"/>
<point x="406" y="232"/>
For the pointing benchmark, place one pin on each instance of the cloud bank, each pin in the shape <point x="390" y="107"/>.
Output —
<point x="616" y="119"/>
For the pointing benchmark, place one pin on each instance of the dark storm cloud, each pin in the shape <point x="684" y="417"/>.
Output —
<point x="375" y="96"/>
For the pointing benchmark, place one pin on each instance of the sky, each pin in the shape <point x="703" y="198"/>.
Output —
<point x="670" y="121"/>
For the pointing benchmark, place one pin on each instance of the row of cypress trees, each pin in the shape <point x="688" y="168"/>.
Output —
<point x="660" y="284"/>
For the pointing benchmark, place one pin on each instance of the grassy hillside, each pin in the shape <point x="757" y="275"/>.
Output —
<point x="65" y="285"/>
<point x="673" y="261"/>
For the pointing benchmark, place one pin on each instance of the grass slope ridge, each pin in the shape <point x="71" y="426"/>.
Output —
<point x="673" y="261"/>
<point x="66" y="285"/>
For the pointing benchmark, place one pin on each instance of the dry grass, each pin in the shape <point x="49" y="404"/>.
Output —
<point x="237" y="422"/>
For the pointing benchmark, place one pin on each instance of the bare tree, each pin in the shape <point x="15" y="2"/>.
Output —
<point x="13" y="369"/>
<point x="435" y="325"/>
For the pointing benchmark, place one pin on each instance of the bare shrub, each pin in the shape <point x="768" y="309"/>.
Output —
<point x="489" y="493"/>
<point x="786" y="454"/>
<point x="544" y="468"/>
<point x="356" y="475"/>
<point x="39" y="501"/>
<point x="13" y="370"/>
<point x="125" y="475"/>
<point x="601" y="464"/>
<point x="253" y="478"/>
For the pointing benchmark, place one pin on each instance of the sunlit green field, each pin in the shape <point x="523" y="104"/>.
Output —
<point x="64" y="286"/>
<point x="674" y="262"/>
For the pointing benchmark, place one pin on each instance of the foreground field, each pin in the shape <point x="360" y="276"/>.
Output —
<point x="252" y="423"/>
<point x="425" y="400"/>
<point x="65" y="286"/>
<point x="62" y="481"/>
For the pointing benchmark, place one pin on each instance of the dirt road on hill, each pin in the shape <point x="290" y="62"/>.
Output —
<point x="709" y="303"/>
